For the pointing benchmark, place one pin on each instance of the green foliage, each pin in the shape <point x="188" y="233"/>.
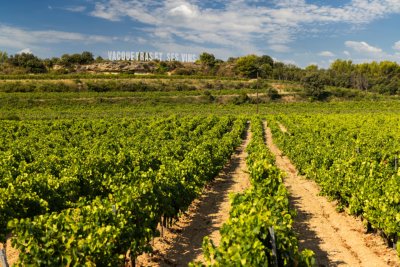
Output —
<point x="25" y="87"/>
<point x="102" y="76"/>
<point x="207" y="59"/>
<point x="314" y="85"/>
<point x="266" y="60"/>
<point x="99" y="59"/>
<point x="391" y="87"/>
<point x="372" y="76"/>
<point x="246" y="238"/>
<point x="352" y="158"/>
<point x="86" y="58"/>
<point x="247" y="66"/>
<point x="184" y="71"/>
<point x="68" y="60"/>
<point x="86" y="192"/>
<point x="250" y="66"/>
<point x="273" y="94"/>
<point x="311" y="68"/>
<point x="378" y="77"/>
<point x="3" y="57"/>
<point x="208" y="95"/>
<point x="162" y="67"/>
<point x="115" y="85"/>
<point x="265" y="71"/>
<point x="29" y="62"/>
<point x="242" y="98"/>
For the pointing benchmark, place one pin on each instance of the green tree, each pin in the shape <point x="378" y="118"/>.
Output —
<point x="265" y="70"/>
<point x="265" y="66"/>
<point x="341" y="72"/>
<point x="278" y="70"/>
<point x="388" y="68"/>
<point x="3" y="57"/>
<point x="394" y="86"/>
<point x="99" y="59"/>
<point x="248" y="66"/>
<point x="265" y="60"/>
<point x="314" y="85"/>
<point x="232" y="59"/>
<point x="86" y="58"/>
<point x="207" y="59"/>
<point x="29" y="62"/>
<point x="273" y="94"/>
<point x="68" y="60"/>
<point x="50" y="62"/>
<point x="76" y="59"/>
<point x="311" y="68"/>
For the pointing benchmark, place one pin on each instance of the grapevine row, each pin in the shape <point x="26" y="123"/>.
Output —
<point x="259" y="231"/>
<point x="51" y="166"/>
<point x="101" y="231"/>
<point x="353" y="159"/>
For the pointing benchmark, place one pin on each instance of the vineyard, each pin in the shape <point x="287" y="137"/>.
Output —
<point x="354" y="158"/>
<point x="259" y="231"/>
<point x="91" y="191"/>
<point x="188" y="133"/>
<point x="96" y="185"/>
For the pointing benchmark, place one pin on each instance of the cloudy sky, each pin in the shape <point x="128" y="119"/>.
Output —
<point x="301" y="32"/>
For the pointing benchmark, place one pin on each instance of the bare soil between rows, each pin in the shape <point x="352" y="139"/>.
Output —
<point x="337" y="239"/>
<point x="182" y="243"/>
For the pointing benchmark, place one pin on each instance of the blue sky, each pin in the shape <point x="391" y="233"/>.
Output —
<point x="301" y="32"/>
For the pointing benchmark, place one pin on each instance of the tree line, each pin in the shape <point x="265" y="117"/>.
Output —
<point x="382" y="77"/>
<point x="29" y="63"/>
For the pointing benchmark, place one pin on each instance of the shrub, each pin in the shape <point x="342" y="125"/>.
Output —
<point x="314" y="86"/>
<point x="241" y="99"/>
<point x="207" y="94"/>
<point x="273" y="94"/>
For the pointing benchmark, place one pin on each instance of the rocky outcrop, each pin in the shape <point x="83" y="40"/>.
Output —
<point x="132" y="67"/>
<point x="118" y="67"/>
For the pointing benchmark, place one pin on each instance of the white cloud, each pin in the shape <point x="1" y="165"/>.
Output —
<point x="185" y="10"/>
<point x="176" y="47"/>
<point x="326" y="54"/>
<point x="364" y="52"/>
<point x="17" y="38"/>
<point x="241" y="23"/>
<point x="280" y="48"/>
<point x="396" y="46"/>
<point x="101" y="11"/>
<point x="25" y="50"/>
<point x="347" y="53"/>
<point x="362" y="47"/>
<point x="75" y="8"/>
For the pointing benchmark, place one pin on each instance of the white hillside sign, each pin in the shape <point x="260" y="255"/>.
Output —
<point x="149" y="56"/>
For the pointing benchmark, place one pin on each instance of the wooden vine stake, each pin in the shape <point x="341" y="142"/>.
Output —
<point x="162" y="227"/>
<point x="273" y="241"/>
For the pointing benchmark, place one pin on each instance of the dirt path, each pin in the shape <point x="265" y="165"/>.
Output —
<point x="337" y="238"/>
<point x="182" y="243"/>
